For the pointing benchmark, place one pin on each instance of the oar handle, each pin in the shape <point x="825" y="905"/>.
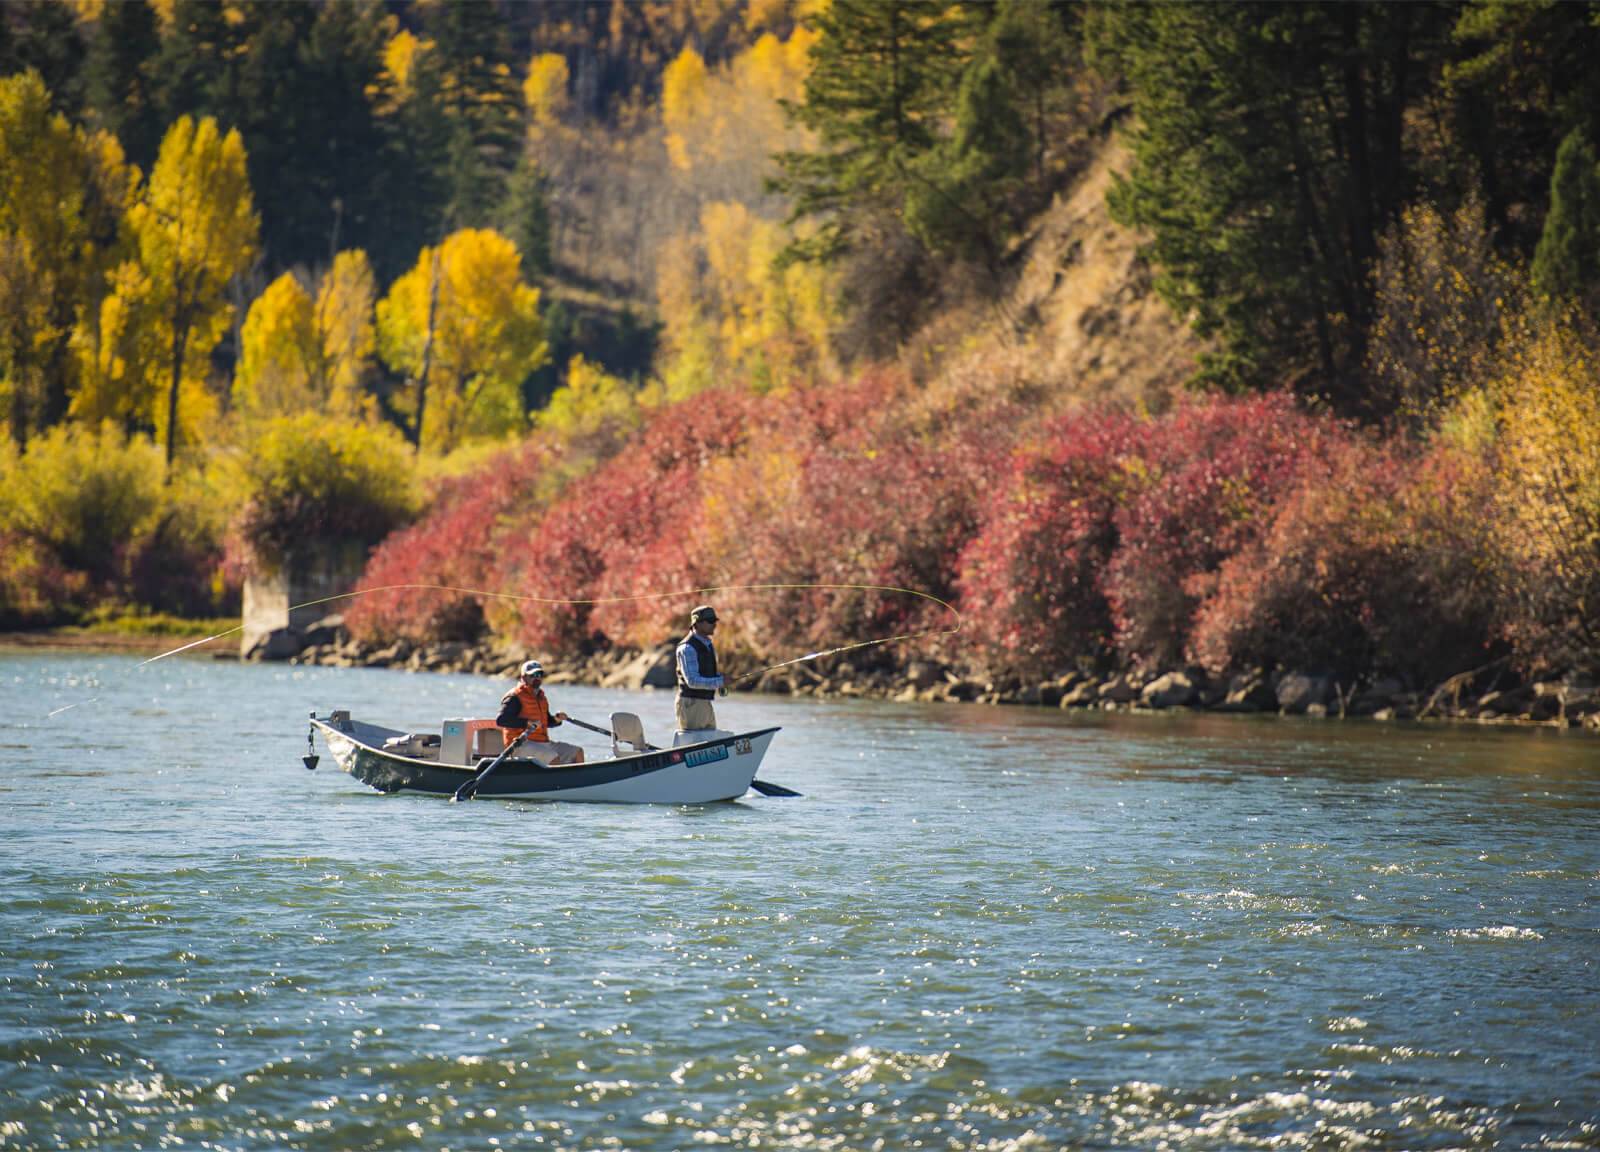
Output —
<point x="591" y="727"/>
<point x="603" y="731"/>
<point x="470" y="789"/>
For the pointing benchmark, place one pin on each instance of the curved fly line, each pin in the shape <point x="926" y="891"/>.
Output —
<point x="592" y="601"/>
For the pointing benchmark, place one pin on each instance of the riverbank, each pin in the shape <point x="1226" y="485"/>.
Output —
<point x="1487" y="695"/>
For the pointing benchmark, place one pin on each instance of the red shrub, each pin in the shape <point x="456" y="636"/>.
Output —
<point x="456" y="545"/>
<point x="1212" y="471"/>
<point x="625" y="530"/>
<point x="1031" y="579"/>
<point x="1367" y="566"/>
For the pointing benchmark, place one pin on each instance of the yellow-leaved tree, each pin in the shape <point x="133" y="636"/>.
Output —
<point x="544" y="91"/>
<point x="594" y="406"/>
<point x="62" y="195"/>
<point x="724" y="124"/>
<point x="465" y="331"/>
<point x="196" y="229"/>
<point x="685" y="107"/>
<point x="1547" y="498"/>
<point x="299" y="354"/>
<point x="728" y="309"/>
<point x="279" y="353"/>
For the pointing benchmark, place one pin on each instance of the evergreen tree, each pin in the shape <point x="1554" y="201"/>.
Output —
<point x="525" y="215"/>
<point x="283" y="130"/>
<point x="119" y="78"/>
<point x="346" y="180"/>
<point x="883" y="76"/>
<point x="1526" y="77"/>
<point x="481" y="103"/>
<point x="415" y="138"/>
<point x="1566" y="265"/>
<point x="47" y="39"/>
<point x="195" y="68"/>
<point x="961" y="200"/>
<point x="1268" y="157"/>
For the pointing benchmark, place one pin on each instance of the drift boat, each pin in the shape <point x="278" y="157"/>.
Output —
<point x="700" y="768"/>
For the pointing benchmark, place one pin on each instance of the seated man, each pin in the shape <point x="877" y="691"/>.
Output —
<point x="525" y="707"/>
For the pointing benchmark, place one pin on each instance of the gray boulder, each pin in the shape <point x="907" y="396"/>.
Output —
<point x="1118" y="690"/>
<point x="1297" y="691"/>
<point x="1248" y="692"/>
<point x="1174" y="690"/>
<point x="278" y="644"/>
<point x="656" y="668"/>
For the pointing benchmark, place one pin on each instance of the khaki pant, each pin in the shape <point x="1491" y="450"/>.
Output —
<point x="693" y="714"/>
<point x="552" y="751"/>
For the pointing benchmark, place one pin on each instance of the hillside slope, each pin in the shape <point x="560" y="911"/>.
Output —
<point x="1081" y="323"/>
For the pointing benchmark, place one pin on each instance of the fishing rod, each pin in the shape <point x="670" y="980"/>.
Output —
<point x="595" y="601"/>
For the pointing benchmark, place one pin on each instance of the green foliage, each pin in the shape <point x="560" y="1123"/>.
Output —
<point x="957" y="202"/>
<point x="84" y="495"/>
<point x="1269" y="153"/>
<point x="977" y="187"/>
<point x="47" y="41"/>
<point x="306" y="480"/>
<point x="1523" y="79"/>
<point x="481" y="102"/>
<point x="882" y="75"/>
<point x="121" y="79"/>
<point x="525" y="215"/>
<point x="591" y="405"/>
<point x="1566" y="265"/>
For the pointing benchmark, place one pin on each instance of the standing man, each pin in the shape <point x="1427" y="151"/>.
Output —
<point x="525" y="707"/>
<point x="698" y="681"/>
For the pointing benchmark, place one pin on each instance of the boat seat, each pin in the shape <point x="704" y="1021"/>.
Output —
<point x="626" y="729"/>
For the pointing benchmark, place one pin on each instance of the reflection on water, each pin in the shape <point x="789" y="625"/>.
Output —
<point x="981" y="928"/>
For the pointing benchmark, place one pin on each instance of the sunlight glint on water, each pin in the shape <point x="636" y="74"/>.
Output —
<point x="981" y="928"/>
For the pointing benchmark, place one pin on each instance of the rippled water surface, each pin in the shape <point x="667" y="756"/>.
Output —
<point x="980" y="928"/>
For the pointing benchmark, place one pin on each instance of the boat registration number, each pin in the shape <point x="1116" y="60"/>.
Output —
<point x="705" y="756"/>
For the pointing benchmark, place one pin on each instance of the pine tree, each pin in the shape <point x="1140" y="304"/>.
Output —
<point x="120" y="78"/>
<point x="347" y="180"/>
<point x="1524" y="79"/>
<point x="47" y="39"/>
<point x="415" y="137"/>
<point x="961" y="200"/>
<point x="1269" y="157"/>
<point x="481" y="102"/>
<point x="883" y="77"/>
<point x="195" y="68"/>
<point x="1566" y="265"/>
<point x="525" y="215"/>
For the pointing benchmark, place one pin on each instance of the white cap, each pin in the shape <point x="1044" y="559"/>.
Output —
<point x="532" y="668"/>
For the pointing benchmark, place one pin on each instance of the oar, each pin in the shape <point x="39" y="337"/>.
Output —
<point x="470" y="788"/>
<point x="603" y="731"/>
<point x="760" y="786"/>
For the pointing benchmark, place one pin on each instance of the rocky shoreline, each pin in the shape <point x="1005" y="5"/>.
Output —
<point x="1487" y="695"/>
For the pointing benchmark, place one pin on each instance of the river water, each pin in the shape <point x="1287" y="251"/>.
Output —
<point x="980" y="928"/>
